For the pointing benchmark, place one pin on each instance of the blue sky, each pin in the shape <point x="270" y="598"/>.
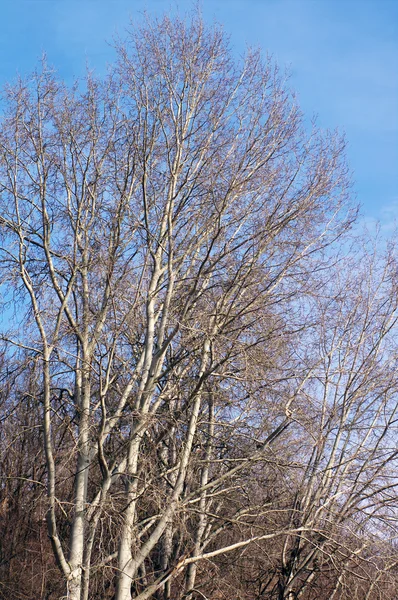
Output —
<point x="342" y="55"/>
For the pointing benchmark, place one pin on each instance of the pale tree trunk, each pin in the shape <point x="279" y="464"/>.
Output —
<point x="123" y="590"/>
<point x="76" y="555"/>
<point x="167" y="548"/>
<point x="203" y="520"/>
<point x="169" y="458"/>
<point x="125" y="557"/>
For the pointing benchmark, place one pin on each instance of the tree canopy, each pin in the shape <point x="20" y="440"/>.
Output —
<point x="199" y="388"/>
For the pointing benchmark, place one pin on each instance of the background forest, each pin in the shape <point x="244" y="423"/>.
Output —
<point x="199" y="369"/>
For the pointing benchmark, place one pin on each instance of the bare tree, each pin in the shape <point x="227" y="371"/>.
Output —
<point x="158" y="231"/>
<point x="342" y="477"/>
